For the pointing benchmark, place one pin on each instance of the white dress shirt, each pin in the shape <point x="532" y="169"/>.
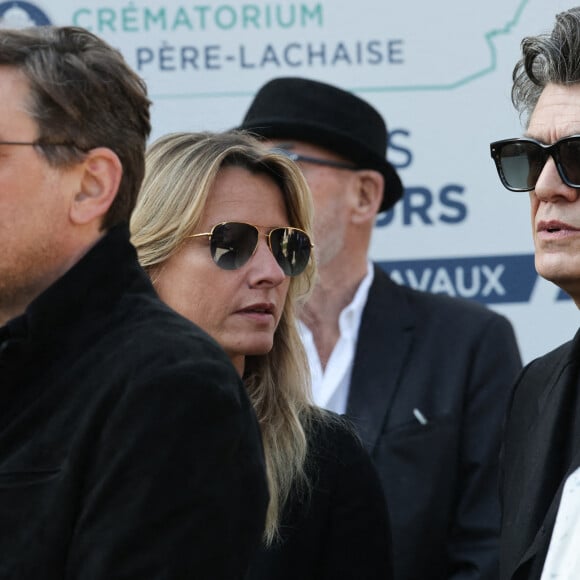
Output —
<point x="563" y="559"/>
<point x="330" y="387"/>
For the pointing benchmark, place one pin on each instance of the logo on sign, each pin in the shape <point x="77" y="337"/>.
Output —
<point x="487" y="279"/>
<point x="18" y="14"/>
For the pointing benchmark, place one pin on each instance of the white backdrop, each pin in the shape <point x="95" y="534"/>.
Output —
<point x="439" y="72"/>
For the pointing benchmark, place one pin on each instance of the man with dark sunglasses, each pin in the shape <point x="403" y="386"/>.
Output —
<point x="425" y="378"/>
<point x="519" y="162"/>
<point x="540" y="469"/>
<point x="128" y="446"/>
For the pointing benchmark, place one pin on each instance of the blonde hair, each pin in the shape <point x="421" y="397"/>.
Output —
<point x="181" y="169"/>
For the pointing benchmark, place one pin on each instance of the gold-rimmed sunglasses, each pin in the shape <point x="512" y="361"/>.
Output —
<point x="232" y="244"/>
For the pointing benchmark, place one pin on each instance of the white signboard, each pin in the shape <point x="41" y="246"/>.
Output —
<point x="439" y="72"/>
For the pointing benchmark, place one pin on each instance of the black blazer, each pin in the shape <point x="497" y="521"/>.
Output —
<point x="452" y="363"/>
<point x="537" y="458"/>
<point x="128" y="446"/>
<point x="339" y="528"/>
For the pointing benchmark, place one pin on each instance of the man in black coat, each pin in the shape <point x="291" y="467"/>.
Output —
<point x="128" y="448"/>
<point x="425" y="378"/>
<point x="540" y="474"/>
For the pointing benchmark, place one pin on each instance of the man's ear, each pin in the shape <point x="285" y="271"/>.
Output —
<point x="99" y="183"/>
<point x="370" y="195"/>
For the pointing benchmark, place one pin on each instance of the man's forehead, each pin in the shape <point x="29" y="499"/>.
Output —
<point x="557" y="113"/>
<point x="16" y="103"/>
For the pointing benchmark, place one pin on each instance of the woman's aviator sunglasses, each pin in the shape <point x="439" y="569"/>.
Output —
<point x="519" y="162"/>
<point x="232" y="244"/>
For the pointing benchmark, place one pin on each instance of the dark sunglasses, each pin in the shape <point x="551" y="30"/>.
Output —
<point x="232" y="244"/>
<point x="296" y="157"/>
<point x="519" y="162"/>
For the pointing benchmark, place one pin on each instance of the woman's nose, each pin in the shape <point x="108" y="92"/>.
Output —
<point x="263" y="266"/>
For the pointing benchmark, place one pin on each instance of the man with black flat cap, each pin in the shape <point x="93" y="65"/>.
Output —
<point x="425" y="378"/>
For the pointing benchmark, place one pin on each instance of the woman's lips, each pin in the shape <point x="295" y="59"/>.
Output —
<point x="259" y="311"/>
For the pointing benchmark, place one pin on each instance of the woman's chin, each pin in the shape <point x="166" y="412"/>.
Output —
<point x="250" y="347"/>
<point x="259" y="347"/>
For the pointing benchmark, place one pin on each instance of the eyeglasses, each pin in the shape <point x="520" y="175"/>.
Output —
<point x="41" y="143"/>
<point x="519" y="162"/>
<point x="232" y="244"/>
<point x="296" y="157"/>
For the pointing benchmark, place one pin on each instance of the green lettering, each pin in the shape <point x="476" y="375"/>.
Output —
<point x="315" y="15"/>
<point x="106" y="19"/>
<point x="230" y="19"/>
<point x="149" y="18"/>
<point x="250" y="15"/>
<point x="182" y="19"/>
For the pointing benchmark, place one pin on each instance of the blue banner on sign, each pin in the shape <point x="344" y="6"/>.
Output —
<point x="486" y="279"/>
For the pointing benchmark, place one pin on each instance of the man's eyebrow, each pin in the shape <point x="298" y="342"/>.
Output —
<point x="544" y="142"/>
<point x="527" y="135"/>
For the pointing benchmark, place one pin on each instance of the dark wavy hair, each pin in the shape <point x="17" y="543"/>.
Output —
<point x="83" y="95"/>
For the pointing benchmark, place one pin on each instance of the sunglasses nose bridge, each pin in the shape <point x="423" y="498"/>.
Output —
<point x="262" y="235"/>
<point x="551" y="182"/>
<point x="554" y="151"/>
<point x="550" y="159"/>
<point x="269" y="238"/>
<point x="551" y="154"/>
<point x="269" y="260"/>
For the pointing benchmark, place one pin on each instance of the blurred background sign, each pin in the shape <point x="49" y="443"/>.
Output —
<point x="439" y="72"/>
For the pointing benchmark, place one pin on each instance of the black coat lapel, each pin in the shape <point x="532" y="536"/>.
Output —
<point x="545" y="453"/>
<point x="384" y="340"/>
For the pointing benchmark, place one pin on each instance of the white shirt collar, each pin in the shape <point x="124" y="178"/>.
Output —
<point x="330" y="387"/>
<point x="351" y="315"/>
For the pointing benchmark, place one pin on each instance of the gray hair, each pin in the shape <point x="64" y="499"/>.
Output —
<point x="552" y="57"/>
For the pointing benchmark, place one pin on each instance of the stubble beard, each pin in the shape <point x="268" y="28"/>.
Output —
<point x="23" y="278"/>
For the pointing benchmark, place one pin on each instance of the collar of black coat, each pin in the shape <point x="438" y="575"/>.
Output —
<point x="89" y="289"/>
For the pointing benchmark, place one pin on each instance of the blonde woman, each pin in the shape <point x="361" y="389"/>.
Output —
<point x="223" y="226"/>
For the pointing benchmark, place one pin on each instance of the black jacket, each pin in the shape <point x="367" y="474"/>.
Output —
<point x="128" y="448"/>
<point x="339" y="528"/>
<point x="430" y="384"/>
<point x="541" y="449"/>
